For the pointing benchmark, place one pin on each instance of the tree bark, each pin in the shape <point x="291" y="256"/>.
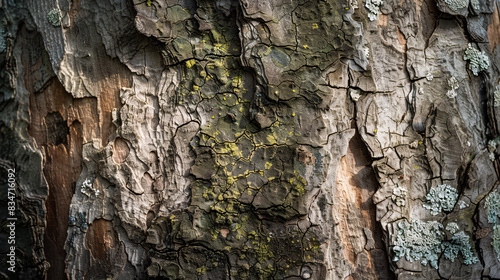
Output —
<point x="240" y="139"/>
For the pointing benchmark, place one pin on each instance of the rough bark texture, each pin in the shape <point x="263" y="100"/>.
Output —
<point x="250" y="139"/>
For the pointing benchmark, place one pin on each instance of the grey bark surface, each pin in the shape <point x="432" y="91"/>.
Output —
<point x="238" y="139"/>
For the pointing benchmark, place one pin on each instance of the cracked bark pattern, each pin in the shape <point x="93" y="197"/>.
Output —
<point x="196" y="139"/>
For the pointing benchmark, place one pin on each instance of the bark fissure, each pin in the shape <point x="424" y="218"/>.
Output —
<point x="249" y="139"/>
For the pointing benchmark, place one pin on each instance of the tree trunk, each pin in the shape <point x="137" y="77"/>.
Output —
<point x="250" y="139"/>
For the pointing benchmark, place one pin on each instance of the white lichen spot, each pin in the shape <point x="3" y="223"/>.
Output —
<point x="478" y="61"/>
<point x="354" y="4"/>
<point x="373" y="8"/>
<point x="441" y="198"/>
<point x="453" y="84"/>
<point x="452" y="227"/>
<point x="420" y="91"/>
<point x="399" y="196"/>
<point x="462" y="204"/>
<point x="492" y="147"/>
<point x="366" y="52"/>
<point x="88" y="188"/>
<point x="429" y="76"/>
<point x="493" y="144"/>
<point x="115" y="115"/>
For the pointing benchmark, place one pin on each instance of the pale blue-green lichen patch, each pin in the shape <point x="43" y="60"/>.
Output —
<point x="492" y="205"/>
<point x="492" y="147"/>
<point x="460" y="242"/>
<point x="441" y="198"/>
<point x="478" y="61"/>
<point x="419" y="241"/>
<point x="426" y="241"/>
<point x="452" y="227"/>
<point x="54" y="17"/>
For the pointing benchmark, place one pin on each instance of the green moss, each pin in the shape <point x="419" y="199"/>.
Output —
<point x="183" y="48"/>
<point x="236" y="161"/>
<point x="177" y="13"/>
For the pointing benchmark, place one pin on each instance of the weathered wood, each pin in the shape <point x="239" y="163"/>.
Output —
<point x="227" y="139"/>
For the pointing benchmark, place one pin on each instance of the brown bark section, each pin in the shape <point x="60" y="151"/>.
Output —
<point x="109" y="99"/>
<point x="62" y="146"/>
<point x="61" y="125"/>
<point x="493" y="29"/>
<point x="63" y="155"/>
<point x="356" y="184"/>
<point x="107" y="254"/>
<point x="120" y="151"/>
<point x="100" y="238"/>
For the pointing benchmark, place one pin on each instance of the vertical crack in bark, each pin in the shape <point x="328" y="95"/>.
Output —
<point x="62" y="145"/>
<point x="61" y="142"/>
<point x="361" y="233"/>
<point x="60" y="126"/>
